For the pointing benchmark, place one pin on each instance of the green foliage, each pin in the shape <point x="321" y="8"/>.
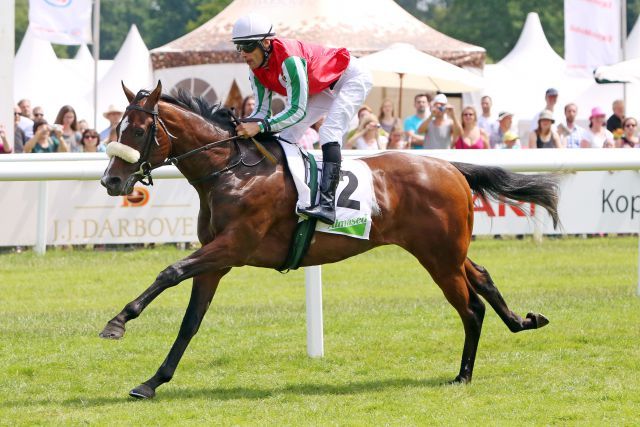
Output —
<point x="391" y="341"/>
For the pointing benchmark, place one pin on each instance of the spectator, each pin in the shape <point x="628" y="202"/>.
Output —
<point x="26" y="119"/>
<point x="597" y="136"/>
<point x="496" y="137"/>
<point x="570" y="133"/>
<point x="38" y="113"/>
<point x="388" y="118"/>
<point x="396" y="139"/>
<point x="486" y="120"/>
<point x="615" y="121"/>
<point x="438" y="127"/>
<point x="311" y="138"/>
<point x="248" y="105"/>
<point x="367" y="135"/>
<point x="43" y="141"/>
<point x="629" y="139"/>
<point x="544" y="136"/>
<point x="67" y="118"/>
<point x="82" y="126"/>
<point x="19" y="137"/>
<point x="90" y="142"/>
<point x="6" y="147"/>
<point x="363" y="111"/>
<point x="510" y="140"/>
<point x="412" y="123"/>
<point x="551" y="99"/>
<point x="113" y="114"/>
<point x="470" y="135"/>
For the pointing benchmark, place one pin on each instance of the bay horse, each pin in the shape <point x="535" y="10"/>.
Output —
<point x="247" y="215"/>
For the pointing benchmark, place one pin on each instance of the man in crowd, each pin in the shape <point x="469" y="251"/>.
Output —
<point x="412" y="123"/>
<point x="113" y="114"/>
<point x="551" y="98"/>
<point x="486" y="120"/>
<point x="496" y="137"/>
<point x="615" y="121"/>
<point x="26" y="118"/>
<point x="570" y="133"/>
<point x="38" y="113"/>
<point x="437" y="128"/>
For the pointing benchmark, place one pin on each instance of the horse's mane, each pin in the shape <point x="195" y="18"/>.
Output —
<point x="214" y="113"/>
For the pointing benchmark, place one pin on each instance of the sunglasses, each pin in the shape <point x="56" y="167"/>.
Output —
<point x="246" y="47"/>
<point x="91" y="136"/>
<point x="38" y="115"/>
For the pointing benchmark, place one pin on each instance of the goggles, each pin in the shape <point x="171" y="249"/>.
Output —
<point x="247" y="47"/>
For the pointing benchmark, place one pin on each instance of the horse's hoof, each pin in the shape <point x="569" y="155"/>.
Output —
<point x="460" y="380"/>
<point x="112" y="331"/>
<point x="538" y="320"/>
<point x="143" y="391"/>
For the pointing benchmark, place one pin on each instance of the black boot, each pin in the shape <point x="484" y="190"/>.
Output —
<point x="325" y="211"/>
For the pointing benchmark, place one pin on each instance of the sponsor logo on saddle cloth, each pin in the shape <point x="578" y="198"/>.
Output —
<point x="355" y="199"/>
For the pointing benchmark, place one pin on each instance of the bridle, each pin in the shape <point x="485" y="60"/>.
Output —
<point x="145" y="166"/>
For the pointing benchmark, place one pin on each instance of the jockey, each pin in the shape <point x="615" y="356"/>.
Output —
<point x="316" y="81"/>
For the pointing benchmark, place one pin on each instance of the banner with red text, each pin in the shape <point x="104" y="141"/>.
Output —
<point x="591" y="34"/>
<point x="81" y="212"/>
<point x="61" y="21"/>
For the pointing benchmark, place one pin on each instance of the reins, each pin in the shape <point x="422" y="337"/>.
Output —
<point x="146" y="167"/>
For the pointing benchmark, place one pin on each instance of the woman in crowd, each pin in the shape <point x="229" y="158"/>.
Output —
<point x="597" y="136"/>
<point x="91" y="142"/>
<point x="248" y="104"/>
<point x="67" y="118"/>
<point x="469" y="135"/>
<point x="43" y="141"/>
<point x="544" y="136"/>
<point x="629" y="139"/>
<point x="388" y="119"/>
<point x="396" y="138"/>
<point x="367" y="135"/>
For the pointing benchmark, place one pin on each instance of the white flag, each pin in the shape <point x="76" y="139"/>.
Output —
<point x="61" y="21"/>
<point x="591" y="34"/>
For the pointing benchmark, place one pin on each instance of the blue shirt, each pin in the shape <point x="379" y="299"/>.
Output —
<point x="412" y="123"/>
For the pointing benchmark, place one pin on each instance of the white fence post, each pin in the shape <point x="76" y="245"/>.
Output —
<point x="313" y="296"/>
<point x="41" y="228"/>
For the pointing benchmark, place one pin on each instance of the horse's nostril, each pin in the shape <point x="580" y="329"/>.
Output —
<point x="110" y="181"/>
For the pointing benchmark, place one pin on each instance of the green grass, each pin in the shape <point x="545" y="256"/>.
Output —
<point x="391" y="342"/>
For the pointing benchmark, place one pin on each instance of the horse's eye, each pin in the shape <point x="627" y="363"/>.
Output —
<point x="138" y="132"/>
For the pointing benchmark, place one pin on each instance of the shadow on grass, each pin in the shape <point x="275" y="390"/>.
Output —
<point x="241" y="393"/>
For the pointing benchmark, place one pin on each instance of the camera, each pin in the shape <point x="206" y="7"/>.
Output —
<point x="56" y="128"/>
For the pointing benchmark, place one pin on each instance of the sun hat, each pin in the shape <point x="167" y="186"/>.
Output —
<point x="597" y="112"/>
<point x="546" y="115"/>
<point x="504" y="114"/>
<point x="112" y="109"/>
<point x="510" y="136"/>
<point x="440" y="98"/>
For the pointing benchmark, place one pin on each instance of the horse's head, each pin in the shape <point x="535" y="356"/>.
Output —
<point x="142" y="141"/>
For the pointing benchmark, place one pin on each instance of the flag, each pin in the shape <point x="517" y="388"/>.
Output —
<point x="61" y="21"/>
<point x="591" y="34"/>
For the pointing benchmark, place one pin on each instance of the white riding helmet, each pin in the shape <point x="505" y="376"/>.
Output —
<point x="251" y="27"/>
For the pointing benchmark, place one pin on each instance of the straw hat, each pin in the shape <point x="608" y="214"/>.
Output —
<point x="112" y="109"/>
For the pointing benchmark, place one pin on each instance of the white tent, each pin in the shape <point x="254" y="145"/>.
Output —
<point x="131" y="65"/>
<point x="82" y="68"/>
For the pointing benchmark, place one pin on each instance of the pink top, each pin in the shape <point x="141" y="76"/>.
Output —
<point x="460" y="145"/>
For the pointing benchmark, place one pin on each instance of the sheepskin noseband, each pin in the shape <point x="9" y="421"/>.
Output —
<point x="126" y="153"/>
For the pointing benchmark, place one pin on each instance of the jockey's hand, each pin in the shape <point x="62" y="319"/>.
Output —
<point x="248" y="129"/>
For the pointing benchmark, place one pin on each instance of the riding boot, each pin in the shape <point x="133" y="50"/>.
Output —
<point x="325" y="210"/>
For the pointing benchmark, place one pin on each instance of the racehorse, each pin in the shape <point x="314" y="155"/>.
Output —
<point x="247" y="215"/>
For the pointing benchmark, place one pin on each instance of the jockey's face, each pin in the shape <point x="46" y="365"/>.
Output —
<point x="256" y="56"/>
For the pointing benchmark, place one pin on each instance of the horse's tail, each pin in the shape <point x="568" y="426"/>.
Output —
<point x="541" y="189"/>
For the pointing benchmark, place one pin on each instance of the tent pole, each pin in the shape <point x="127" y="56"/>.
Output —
<point x="96" y="59"/>
<point x="400" y="96"/>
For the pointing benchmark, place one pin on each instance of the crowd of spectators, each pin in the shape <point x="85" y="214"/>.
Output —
<point x="34" y="133"/>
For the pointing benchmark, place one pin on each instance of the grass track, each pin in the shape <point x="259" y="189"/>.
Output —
<point x="391" y="342"/>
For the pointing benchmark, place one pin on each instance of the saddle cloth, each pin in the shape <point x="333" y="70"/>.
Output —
<point x="355" y="198"/>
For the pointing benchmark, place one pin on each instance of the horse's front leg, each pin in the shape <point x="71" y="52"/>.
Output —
<point x="204" y="288"/>
<point x="202" y="260"/>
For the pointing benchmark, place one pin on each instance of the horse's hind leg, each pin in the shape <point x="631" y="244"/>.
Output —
<point x="471" y="309"/>
<point x="204" y="288"/>
<point x="481" y="281"/>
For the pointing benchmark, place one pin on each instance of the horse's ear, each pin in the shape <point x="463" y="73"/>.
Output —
<point x="127" y="92"/>
<point x="153" y="98"/>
